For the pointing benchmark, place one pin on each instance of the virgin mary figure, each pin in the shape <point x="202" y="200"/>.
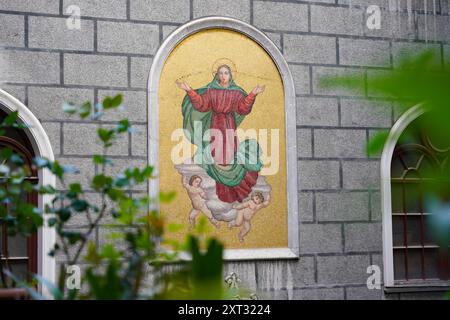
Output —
<point x="220" y="107"/>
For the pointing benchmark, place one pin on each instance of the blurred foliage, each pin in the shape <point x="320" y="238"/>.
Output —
<point x="200" y="277"/>
<point x="132" y="260"/>
<point x="420" y="79"/>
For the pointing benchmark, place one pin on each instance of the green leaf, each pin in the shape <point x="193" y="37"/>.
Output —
<point x="123" y="126"/>
<point x="6" y="153"/>
<point x="107" y="102"/>
<point x="376" y="143"/>
<point x="75" y="188"/>
<point x="175" y="227"/>
<point x="116" y="101"/>
<point x="57" y="169"/>
<point x="92" y="255"/>
<point x="109" y="252"/>
<point x="69" y="108"/>
<point x="101" y="181"/>
<point x="121" y="182"/>
<point x="99" y="159"/>
<point x="115" y="194"/>
<point x="63" y="213"/>
<point x="72" y="236"/>
<point x="85" y="110"/>
<point x="52" y="221"/>
<point x="11" y="118"/>
<point x="208" y="264"/>
<point x="79" y="205"/>
<point x="112" y="102"/>
<point x="167" y="197"/>
<point x="147" y="172"/>
<point x="46" y="189"/>
<point x="17" y="160"/>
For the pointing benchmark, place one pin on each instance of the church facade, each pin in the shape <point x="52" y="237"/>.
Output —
<point x="340" y="235"/>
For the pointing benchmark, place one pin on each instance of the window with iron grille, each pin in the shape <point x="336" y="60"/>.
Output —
<point x="417" y="257"/>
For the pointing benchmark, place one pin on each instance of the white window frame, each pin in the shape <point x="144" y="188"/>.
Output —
<point x="41" y="147"/>
<point x="292" y="251"/>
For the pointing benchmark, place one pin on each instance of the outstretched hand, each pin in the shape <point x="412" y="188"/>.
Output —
<point x="183" y="85"/>
<point x="258" y="89"/>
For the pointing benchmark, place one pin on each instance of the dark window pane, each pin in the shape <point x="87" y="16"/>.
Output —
<point x="396" y="194"/>
<point x="17" y="246"/>
<point x="413" y="231"/>
<point x="407" y="197"/>
<point x="1" y="240"/>
<point x="397" y="168"/>
<point x="413" y="197"/>
<point x="430" y="263"/>
<point x="399" y="265"/>
<point x="416" y="269"/>
<point x="18" y="141"/>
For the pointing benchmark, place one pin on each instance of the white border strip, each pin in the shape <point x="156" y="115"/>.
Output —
<point x="290" y="115"/>
<point x="249" y="254"/>
<point x="385" y="170"/>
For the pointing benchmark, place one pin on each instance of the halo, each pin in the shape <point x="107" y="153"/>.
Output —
<point x="223" y="61"/>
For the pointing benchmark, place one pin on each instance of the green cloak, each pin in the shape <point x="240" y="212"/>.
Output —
<point x="196" y="127"/>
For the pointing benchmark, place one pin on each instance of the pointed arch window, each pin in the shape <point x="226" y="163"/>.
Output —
<point x="412" y="256"/>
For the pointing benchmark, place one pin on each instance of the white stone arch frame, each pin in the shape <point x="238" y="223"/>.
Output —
<point x="41" y="147"/>
<point x="386" y="201"/>
<point x="251" y="32"/>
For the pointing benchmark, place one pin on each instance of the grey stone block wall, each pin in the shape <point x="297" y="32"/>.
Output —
<point x="43" y="62"/>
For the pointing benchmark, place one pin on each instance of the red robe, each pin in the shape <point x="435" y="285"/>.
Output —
<point x="223" y="103"/>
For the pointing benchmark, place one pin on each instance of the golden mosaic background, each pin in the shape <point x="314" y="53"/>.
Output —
<point x="192" y="61"/>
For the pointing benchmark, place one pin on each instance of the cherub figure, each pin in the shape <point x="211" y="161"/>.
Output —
<point x="245" y="212"/>
<point x="198" y="200"/>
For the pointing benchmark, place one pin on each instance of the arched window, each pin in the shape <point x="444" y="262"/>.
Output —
<point x="17" y="253"/>
<point x="30" y="254"/>
<point x="412" y="256"/>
